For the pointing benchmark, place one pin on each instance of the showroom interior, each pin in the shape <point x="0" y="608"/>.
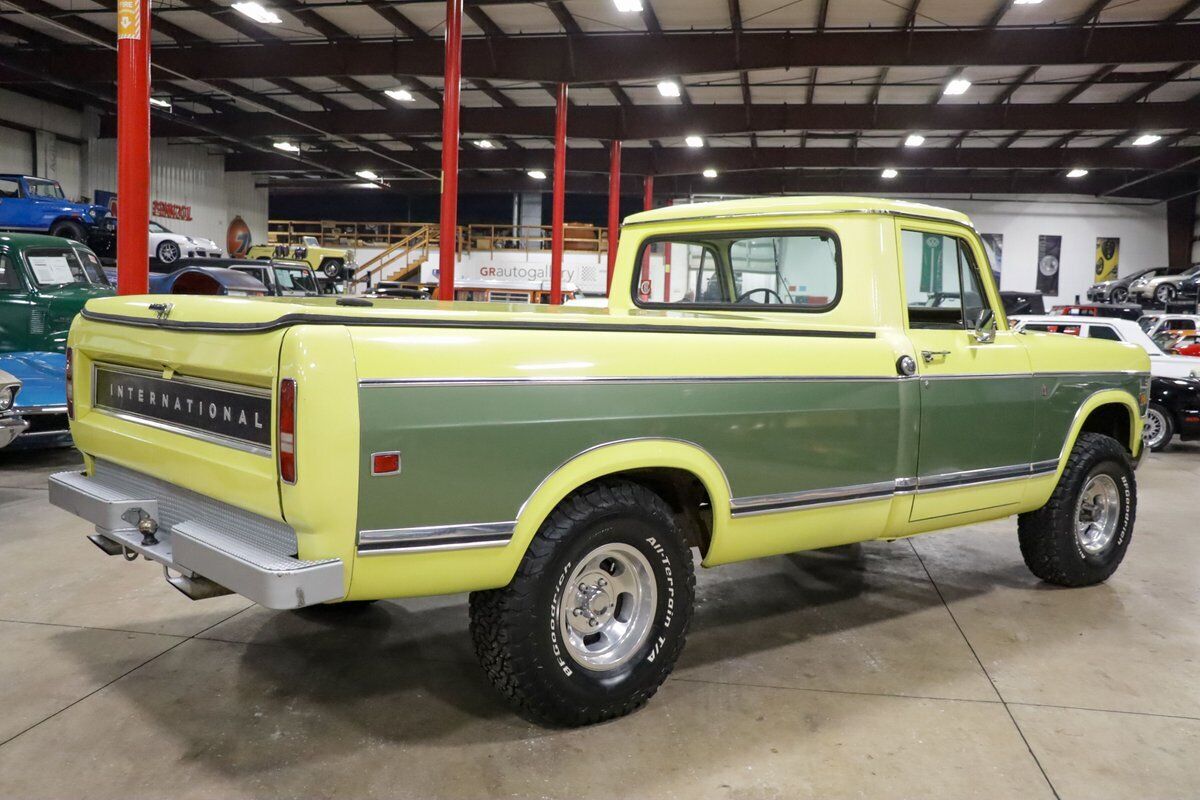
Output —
<point x="543" y="398"/>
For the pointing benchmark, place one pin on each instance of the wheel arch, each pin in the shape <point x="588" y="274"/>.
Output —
<point x="684" y="474"/>
<point x="1111" y="412"/>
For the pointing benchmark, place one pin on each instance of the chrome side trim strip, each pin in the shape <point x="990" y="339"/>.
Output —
<point x="1049" y="465"/>
<point x="435" y="537"/>
<point x="954" y="479"/>
<point x="570" y="380"/>
<point x="789" y="501"/>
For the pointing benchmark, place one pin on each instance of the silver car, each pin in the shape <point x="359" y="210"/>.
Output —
<point x="11" y="426"/>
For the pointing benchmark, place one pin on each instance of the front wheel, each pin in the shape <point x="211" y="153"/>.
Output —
<point x="1080" y="536"/>
<point x="1159" y="428"/>
<point x="168" y="252"/>
<point x="593" y="621"/>
<point x="1165" y="293"/>
<point x="68" y="229"/>
<point x="1118" y="295"/>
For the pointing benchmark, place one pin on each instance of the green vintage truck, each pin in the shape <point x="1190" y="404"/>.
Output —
<point x="822" y="371"/>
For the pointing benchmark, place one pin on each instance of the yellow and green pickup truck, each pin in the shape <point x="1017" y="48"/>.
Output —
<point x="333" y="263"/>
<point x="825" y="371"/>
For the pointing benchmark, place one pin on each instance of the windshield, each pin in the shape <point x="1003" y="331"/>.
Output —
<point x="295" y="279"/>
<point x="63" y="266"/>
<point x="156" y="228"/>
<point x="43" y="188"/>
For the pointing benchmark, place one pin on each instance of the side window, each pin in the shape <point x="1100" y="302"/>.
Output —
<point x="1041" y="327"/>
<point x="1103" y="332"/>
<point x="941" y="280"/>
<point x="9" y="280"/>
<point x="9" y="188"/>
<point x="798" y="271"/>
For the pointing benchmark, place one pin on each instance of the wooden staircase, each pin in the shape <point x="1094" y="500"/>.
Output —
<point x="402" y="261"/>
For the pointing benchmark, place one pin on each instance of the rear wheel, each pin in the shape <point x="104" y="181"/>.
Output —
<point x="593" y="621"/>
<point x="1159" y="429"/>
<point x="1080" y="536"/>
<point x="331" y="268"/>
<point x="68" y="229"/>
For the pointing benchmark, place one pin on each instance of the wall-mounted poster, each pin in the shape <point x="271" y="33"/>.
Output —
<point x="1108" y="253"/>
<point x="1049" y="253"/>
<point x="993" y="243"/>
<point x="931" y="263"/>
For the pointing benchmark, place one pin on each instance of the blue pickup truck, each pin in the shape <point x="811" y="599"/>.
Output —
<point x="38" y="205"/>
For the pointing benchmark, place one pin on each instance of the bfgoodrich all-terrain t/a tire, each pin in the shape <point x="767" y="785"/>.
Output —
<point x="593" y="621"/>
<point x="1080" y="536"/>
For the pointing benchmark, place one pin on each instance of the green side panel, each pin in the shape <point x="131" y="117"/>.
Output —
<point x="1063" y="395"/>
<point x="975" y="423"/>
<point x="476" y="453"/>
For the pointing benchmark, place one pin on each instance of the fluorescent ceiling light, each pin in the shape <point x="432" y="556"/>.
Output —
<point x="1077" y="173"/>
<point x="914" y="140"/>
<point x="256" y="12"/>
<point x="888" y="173"/>
<point x="403" y="95"/>
<point x="694" y="141"/>
<point x="367" y="175"/>
<point x="287" y="147"/>
<point x="158" y="101"/>
<point x="1147" y="138"/>
<point x="710" y="173"/>
<point x="367" y="186"/>
<point x="628" y="6"/>
<point x="957" y="86"/>
<point x="668" y="88"/>
<point x="1026" y="2"/>
<point x="537" y="174"/>
<point x="484" y="144"/>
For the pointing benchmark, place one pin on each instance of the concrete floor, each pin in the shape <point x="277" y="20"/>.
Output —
<point x="933" y="668"/>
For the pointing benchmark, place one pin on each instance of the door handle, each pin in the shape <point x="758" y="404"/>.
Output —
<point x="929" y="355"/>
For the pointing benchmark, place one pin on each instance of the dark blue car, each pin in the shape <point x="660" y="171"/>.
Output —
<point x="38" y="205"/>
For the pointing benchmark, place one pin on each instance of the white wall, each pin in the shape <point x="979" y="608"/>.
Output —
<point x="1142" y="229"/>
<point x="188" y="175"/>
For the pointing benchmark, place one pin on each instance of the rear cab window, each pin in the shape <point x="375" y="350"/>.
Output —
<point x="742" y="270"/>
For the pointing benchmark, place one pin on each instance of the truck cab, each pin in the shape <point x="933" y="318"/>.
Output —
<point x="39" y="205"/>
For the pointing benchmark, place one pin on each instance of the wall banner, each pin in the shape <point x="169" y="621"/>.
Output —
<point x="1049" y="253"/>
<point x="931" y="263"/>
<point x="1108" y="254"/>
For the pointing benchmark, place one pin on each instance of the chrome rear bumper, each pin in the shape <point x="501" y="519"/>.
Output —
<point x="196" y="537"/>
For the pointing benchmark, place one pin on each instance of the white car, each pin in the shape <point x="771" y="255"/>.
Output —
<point x="1175" y="323"/>
<point x="1162" y="365"/>
<point x="168" y="246"/>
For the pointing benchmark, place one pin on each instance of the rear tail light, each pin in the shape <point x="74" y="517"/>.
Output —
<point x="70" y="383"/>
<point x="287" y="430"/>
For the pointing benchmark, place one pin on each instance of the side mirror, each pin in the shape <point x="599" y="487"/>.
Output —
<point x="985" y="328"/>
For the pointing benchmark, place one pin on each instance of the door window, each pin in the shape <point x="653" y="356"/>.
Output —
<point x="9" y="280"/>
<point x="1103" y="332"/>
<point x="798" y="271"/>
<point x="941" y="280"/>
<point x="9" y="188"/>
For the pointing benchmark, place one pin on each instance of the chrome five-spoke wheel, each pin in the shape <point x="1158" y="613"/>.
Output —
<point x="1097" y="514"/>
<point x="607" y="607"/>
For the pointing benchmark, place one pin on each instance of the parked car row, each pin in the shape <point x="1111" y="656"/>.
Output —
<point x="45" y="282"/>
<point x="1157" y="286"/>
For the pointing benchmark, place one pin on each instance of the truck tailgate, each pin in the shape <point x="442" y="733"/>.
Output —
<point x="191" y="408"/>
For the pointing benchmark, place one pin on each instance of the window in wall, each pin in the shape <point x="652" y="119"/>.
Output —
<point x="941" y="280"/>
<point x="786" y="271"/>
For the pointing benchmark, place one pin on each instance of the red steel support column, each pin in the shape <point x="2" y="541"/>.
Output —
<point x="614" y="209"/>
<point x="448" y="234"/>
<point x="133" y="146"/>
<point x="560" y="192"/>
<point x="647" y="204"/>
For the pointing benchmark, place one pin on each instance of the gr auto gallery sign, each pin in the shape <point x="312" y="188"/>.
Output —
<point x="189" y="406"/>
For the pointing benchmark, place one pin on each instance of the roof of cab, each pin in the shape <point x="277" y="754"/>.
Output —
<point x="777" y="206"/>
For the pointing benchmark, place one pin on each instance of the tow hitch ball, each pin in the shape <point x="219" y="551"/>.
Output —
<point x="147" y="526"/>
